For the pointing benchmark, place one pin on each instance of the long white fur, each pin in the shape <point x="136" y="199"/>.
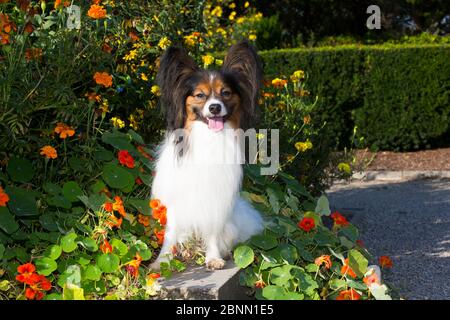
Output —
<point x="201" y="192"/>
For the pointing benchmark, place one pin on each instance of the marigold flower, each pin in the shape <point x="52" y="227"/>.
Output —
<point x="303" y="146"/>
<point x="96" y="12"/>
<point x="106" y="247"/>
<point x="307" y="119"/>
<point x="347" y="270"/>
<point x="126" y="159"/>
<point x="4" y="198"/>
<point x="339" y="219"/>
<point x="155" y="90"/>
<point x="268" y="95"/>
<point x="324" y="259"/>
<point x="385" y="262"/>
<point x="103" y="78"/>
<point x="164" y="43"/>
<point x="279" y="83"/>
<point x="207" y="60"/>
<point x="297" y="76"/>
<point x="49" y="152"/>
<point x="64" y="130"/>
<point x="348" y="295"/>
<point x="307" y="224"/>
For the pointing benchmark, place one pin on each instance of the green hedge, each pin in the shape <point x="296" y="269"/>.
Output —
<point x="397" y="95"/>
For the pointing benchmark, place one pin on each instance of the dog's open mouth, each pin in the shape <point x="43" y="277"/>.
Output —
<point x="216" y="123"/>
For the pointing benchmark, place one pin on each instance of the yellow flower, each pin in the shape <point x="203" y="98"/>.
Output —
<point x="207" y="60"/>
<point x="259" y="136"/>
<point x="298" y="76"/>
<point x="217" y="11"/>
<point x="164" y="43"/>
<point x="279" y="83"/>
<point x="232" y="15"/>
<point x="155" y="90"/>
<point x="49" y="152"/>
<point x="117" y="122"/>
<point x="219" y="62"/>
<point x="133" y="122"/>
<point x="303" y="146"/>
<point x="232" y="5"/>
<point x="344" y="167"/>
<point x="240" y="20"/>
<point x="246" y="4"/>
<point x="252" y="37"/>
<point x="104" y="107"/>
<point x="189" y="40"/>
<point x="144" y="77"/>
<point x="130" y="56"/>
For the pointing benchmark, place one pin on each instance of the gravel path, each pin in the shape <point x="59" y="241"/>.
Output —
<point x="408" y="221"/>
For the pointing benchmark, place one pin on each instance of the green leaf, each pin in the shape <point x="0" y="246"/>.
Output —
<point x="48" y="222"/>
<point x="103" y="155"/>
<point x="72" y="292"/>
<point x="306" y="283"/>
<point x="53" y="252"/>
<point x="264" y="242"/>
<point x="89" y="244"/>
<point x="59" y="201"/>
<point x="136" y="137"/>
<point x="68" y="243"/>
<point x="336" y="284"/>
<point x="243" y="256"/>
<point x="93" y="273"/>
<point x="72" y="275"/>
<point x="143" y="250"/>
<point x="71" y="190"/>
<point x="141" y="205"/>
<point x="273" y="200"/>
<point x="2" y="250"/>
<point x="94" y="201"/>
<point x="119" y="246"/>
<point x="312" y="267"/>
<point x="7" y="222"/>
<point x="272" y="292"/>
<point x="350" y="231"/>
<point x="117" y="177"/>
<point x="5" y="285"/>
<point x="98" y="186"/>
<point x="22" y="202"/>
<point x="108" y="262"/>
<point x="293" y="296"/>
<point x="20" y="170"/>
<point x="118" y="140"/>
<point x="52" y="188"/>
<point x="357" y="262"/>
<point x="45" y="266"/>
<point x="79" y="165"/>
<point x="280" y="276"/>
<point x="323" y="206"/>
<point x="53" y="296"/>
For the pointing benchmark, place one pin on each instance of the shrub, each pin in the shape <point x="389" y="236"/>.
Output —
<point x="397" y="95"/>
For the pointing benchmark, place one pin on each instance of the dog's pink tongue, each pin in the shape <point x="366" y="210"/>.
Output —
<point x="215" y="124"/>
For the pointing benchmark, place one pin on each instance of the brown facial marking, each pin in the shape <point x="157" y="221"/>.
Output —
<point x="196" y="101"/>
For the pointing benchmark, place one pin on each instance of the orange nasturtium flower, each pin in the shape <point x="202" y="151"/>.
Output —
<point x="339" y="219"/>
<point x="96" y="12"/>
<point x="64" y="130"/>
<point x="347" y="270"/>
<point x="126" y="159"/>
<point x="27" y="274"/>
<point x="373" y="278"/>
<point x="159" y="211"/>
<point x="144" y="220"/>
<point x="324" y="259"/>
<point x="113" y="221"/>
<point x="103" y="78"/>
<point x="49" y="152"/>
<point x="154" y="275"/>
<point x="385" y="262"/>
<point x="106" y="247"/>
<point x="260" y="284"/>
<point x="348" y="295"/>
<point x="160" y="236"/>
<point x="133" y="266"/>
<point x="4" y="198"/>
<point x="118" y="206"/>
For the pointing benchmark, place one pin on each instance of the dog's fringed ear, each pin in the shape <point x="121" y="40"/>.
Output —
<point x="243" y="63"/>
<point x="175" y="67"/>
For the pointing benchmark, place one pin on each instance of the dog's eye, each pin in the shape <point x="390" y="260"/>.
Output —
<point x="225" y="93"/>
<point x="200" y="95"/>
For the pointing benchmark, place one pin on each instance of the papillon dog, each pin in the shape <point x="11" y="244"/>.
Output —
<point x="194" y="178"/>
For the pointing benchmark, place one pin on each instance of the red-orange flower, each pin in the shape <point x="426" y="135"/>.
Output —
<point x="154" y="275"/>
<point x="385" y="262"/>
<point x="160" y="236"/>
<point x="154" y="203"/>
<point x="348" y="295"/>
<point x="324" y="259"/>
<point x="96" y="12"/>
<point x="347" y="270"/>
<point x="126" y="159"/>
<point x="118" y="206"/>
<point x="4" y="198"/>
<point x="106" y="247"/>
<point x="145" y="154"/>
<point x="307" y="224"/>
<point x="33" y="54"/>
<point x="339" y="219"/>
<point x="108" y="206"/>
<point x="373" y="278"/>
<point x="103" y="78"/>
<point x="27" y="274"/>
<point x="260" y="284"/>
<point x="144" y="220"/>
<point x="64" y="130"/>
<point x="113" y="221"/>
<point x="138" y="181"/>
<point x="31" y="294"/>
<point x="133" y="266"/>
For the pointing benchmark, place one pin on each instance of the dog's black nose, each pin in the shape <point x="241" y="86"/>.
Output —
<point x="215" y="108"/>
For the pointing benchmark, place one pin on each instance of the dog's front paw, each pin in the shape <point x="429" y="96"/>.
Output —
<point x="215" y="264"/>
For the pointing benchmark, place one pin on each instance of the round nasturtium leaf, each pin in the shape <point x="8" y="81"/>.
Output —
<point x="89" y="244"/>
<point x="273" y="292"/>
<point x="71" y="191"/>
<point x="7" y="222"/>
<point x="20" y="170"/>
<point x="108" y="262"/>
<point x="46" y="266"/>
<point x="93" y="273"/>
<point x="53" y="252"/>
<point x="264" y="242"/>
<point x="52" y="188"/>
<point x="68" y="243"/>
<point x="117" y="177"/>
<point x="243" y="256"/>
<point x="21" y="202"/>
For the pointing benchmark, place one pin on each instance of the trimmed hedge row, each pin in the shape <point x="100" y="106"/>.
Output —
<point x="397" y="95"/>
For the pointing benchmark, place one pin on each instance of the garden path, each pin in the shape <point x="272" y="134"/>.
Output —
<point x="409" y="221"/>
